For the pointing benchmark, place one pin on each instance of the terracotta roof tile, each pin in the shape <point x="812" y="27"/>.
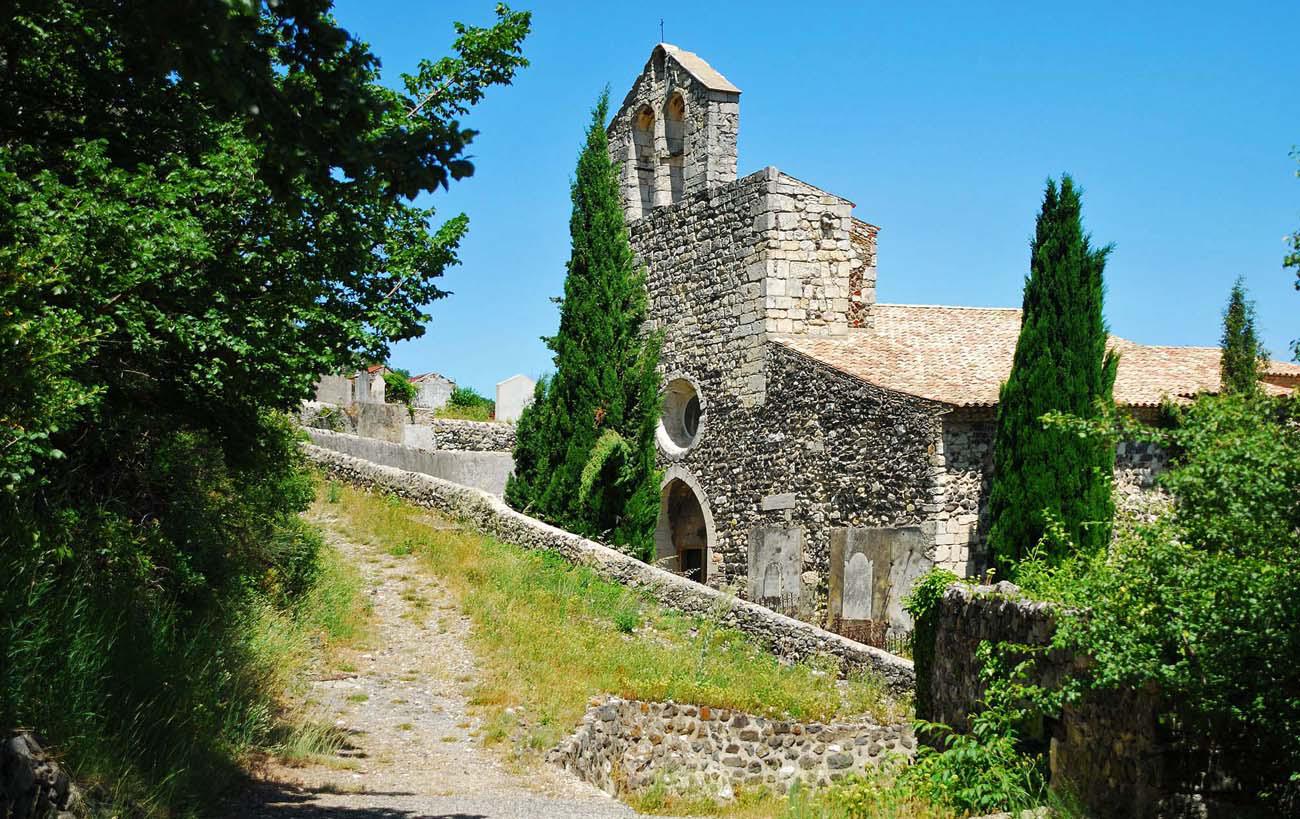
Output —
<point x="961" y="356"/>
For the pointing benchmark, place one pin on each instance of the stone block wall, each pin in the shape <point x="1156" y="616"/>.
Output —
<point x="809" y="258"/>
<point x="486" y="471"/>
<point x="783" y="636"/>
<point x="705" y="271"/>
<point x="623" y="746"/>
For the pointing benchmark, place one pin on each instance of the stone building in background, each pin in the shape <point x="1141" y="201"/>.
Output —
<point x="432" y="391"/>
<point x="821" y="450"/>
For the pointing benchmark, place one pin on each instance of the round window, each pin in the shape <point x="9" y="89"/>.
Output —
<point x="679" y="426"/>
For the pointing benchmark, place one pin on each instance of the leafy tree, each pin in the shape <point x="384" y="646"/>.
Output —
<point x="398" y="389"/>
<point x="1200" y="605"/>
<point x="1239" y="364"/>
<point x="1061" y="365"/>
<point x="585" y="451"/>
<point x="203" y="206"/>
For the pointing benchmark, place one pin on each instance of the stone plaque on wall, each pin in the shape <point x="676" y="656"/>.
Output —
<point x="872" y="568"/>
<point x="775" y="561"/>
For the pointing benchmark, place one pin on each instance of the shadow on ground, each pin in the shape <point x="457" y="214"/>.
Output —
<point x="277" y="800"/>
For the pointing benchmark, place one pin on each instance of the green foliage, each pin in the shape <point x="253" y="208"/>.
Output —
<point x="1201" y="603"/>
<point x="1061" y="364"/>
<point x="199" y="213"/>
<point x="467" y="404"/>
<point x="467" y="397"/>
<point x="569" y="469"/>
<point x="922" y="603"/>
<point x="1239" y="364"/>
<point x="398" y="389"/>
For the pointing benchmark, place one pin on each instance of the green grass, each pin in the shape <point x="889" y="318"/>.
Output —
<point x="550" y="635"/>
<point x="477" y="412"/>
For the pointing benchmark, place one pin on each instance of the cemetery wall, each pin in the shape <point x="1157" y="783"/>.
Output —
<point x="784" y="636"/>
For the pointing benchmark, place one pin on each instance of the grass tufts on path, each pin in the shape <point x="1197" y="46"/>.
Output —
<point x="549" y="635"/>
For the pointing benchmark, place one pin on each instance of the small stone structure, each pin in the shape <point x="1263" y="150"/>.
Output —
<point x="513" y="394"/>
<point x="784" y="636"/>
<point x="623" y="746"/>
<point x="34" y="786"/>
<point x="432" y="391"/>
<point x="799" y="413"/>
<point x="428" y="432"/>
<point x="334" y="389"/>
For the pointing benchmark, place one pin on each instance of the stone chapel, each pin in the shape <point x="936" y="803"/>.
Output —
<point x="821" y="449"/>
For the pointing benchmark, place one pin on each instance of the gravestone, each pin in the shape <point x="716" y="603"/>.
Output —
<point x="857" y="588"/>
<point x="872" y="569"/>
<point x="775" y="561"/>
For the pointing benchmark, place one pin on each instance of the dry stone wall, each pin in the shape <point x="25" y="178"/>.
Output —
<point x="784" y="636"/>
<point x="962" y="484"/>
<point x="1109" y="747"/>
<point x="623" y="746"/>
<point x="429" y="432"/>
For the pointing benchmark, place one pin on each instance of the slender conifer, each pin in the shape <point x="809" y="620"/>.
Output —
<point x="1239" y="364"/>
<point x="585" y="457"/>
<point x="1061" y="364"/>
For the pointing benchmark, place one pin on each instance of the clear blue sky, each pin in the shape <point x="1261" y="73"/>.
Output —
<point x="940" y="120"/>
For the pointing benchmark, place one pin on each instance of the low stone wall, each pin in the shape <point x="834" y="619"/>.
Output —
<point x="486" y="471"/>
<point x="450" y="433"/>
<point x="33" y="785"/>
<point x="625" y="745"/>
<point x="1107" y="748"/>
<point x="782" y="635"/>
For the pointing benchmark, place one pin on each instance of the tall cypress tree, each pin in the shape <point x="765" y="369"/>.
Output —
<point x="585" y="457"/>
<point x="1061" y="364"/>
<point x="1239" y="363"/>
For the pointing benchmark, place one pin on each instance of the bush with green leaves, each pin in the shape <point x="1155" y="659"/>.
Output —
<point x="398" y="389"/>
<point x="1201" y="603"/>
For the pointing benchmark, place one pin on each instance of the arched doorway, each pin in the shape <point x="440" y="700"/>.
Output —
<point x="684" y="532"/>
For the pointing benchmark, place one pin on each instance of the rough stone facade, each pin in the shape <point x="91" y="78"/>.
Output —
<point x="428" y="432"/>
<point x="623" y="746"/>
<point x="785" y="637"/>
<point x="772" y="456"/>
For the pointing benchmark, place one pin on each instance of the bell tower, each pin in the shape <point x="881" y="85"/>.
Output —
<point x="675" y="133"/>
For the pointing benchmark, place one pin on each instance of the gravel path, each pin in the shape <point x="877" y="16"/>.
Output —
<point x="411" y="752"/>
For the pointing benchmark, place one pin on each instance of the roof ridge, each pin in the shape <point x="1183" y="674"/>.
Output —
<point x="947" y="306"/>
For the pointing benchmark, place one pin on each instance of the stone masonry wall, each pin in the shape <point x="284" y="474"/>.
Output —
<point x="962" y="486"/>
<point x="784" y="636"/>
<point x="705" y="271"/>
<point x="1107" y="747"/>
<point x="624" y="746"/>
<point x="452" y="433"/>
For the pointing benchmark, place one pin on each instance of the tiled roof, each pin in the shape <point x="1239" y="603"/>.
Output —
<point x="961" y="356"/>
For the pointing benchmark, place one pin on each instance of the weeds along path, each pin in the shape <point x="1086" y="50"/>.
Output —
<point x="401" y="702"/>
